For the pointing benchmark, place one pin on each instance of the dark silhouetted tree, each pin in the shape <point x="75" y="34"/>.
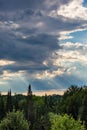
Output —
<point x="9" y="102"/>
<point x="30" y="109"/>
<point x="2" y="107"/>
<point x="84" y="108"/>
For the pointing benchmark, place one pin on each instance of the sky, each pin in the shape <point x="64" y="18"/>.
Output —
<point x="43" y="43"/>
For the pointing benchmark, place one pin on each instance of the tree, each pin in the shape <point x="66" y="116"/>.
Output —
<point x="83" y="114"/>
<point x="30" y="109"/>
<point x="9" y="102"/>
<point x="2" y="107"/>
<point x="14" y="121"/>
<point x="44" y="118"/>
<point x="72" y="101"/>
<point x="65" y="122"/>
<point x="71" y="91"/>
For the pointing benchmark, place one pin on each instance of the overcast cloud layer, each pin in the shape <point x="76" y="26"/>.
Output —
<point x="37" y="44"/>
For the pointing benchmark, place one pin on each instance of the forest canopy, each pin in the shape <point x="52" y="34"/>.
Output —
<point x="47" y="112"/>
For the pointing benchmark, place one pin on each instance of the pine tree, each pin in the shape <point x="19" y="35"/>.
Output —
<point x="9" y="102"/>
<point x="30" y="108"/>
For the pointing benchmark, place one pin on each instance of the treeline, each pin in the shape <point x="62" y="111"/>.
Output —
<point x="38" y="111"/>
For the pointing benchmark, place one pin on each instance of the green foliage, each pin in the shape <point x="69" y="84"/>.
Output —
<point x="65" y="122"/>
<point x="14" y="121"/>
<point x="2" y="107"/>
<point x="83" y="112"/>
<point x="36" y="109"/>
<point x="72" y="101"/>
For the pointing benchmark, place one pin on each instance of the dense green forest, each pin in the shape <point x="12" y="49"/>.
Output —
<point x="55" y="112"/>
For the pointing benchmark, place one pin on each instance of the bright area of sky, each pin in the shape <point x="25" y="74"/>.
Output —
<point x="43" y="43"/>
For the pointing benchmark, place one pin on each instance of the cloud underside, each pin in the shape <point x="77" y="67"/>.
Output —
<point x="32" y="47"/>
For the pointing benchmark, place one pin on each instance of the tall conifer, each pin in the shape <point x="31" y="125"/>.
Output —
<point x="9" y="101"/>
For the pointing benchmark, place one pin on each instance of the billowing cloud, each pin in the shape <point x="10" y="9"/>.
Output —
<point x="73" y="10"/>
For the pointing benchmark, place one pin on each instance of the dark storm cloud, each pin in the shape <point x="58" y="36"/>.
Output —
<point x="35" y="48"/>
<point x="29" y="36"/>
<point x="31" y="51"/>
<point x="35" y="4"/>
<point x="41" y="34"/>
<point x="19" y="4"/>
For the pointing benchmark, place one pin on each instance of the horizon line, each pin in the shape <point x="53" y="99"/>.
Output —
<point x="39" y="92"/>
